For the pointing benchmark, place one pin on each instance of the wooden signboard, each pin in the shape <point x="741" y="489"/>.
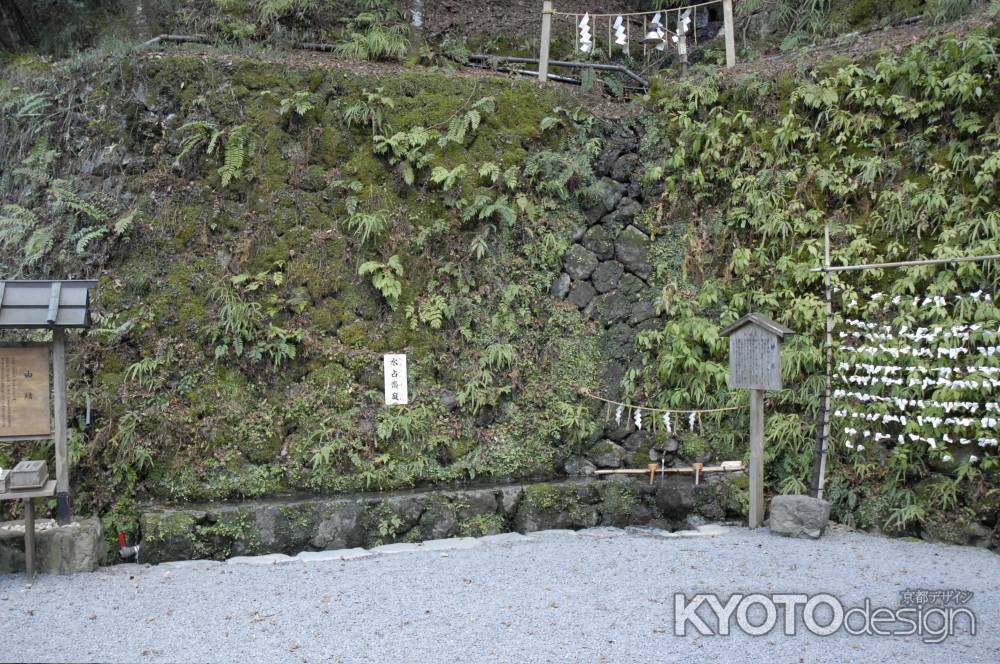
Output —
<point x="754" y="360"/>
<point x="755" y="364"/>
<point x="24" y="392"/>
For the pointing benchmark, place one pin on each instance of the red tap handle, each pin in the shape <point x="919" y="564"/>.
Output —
<point x="121" y="540"/>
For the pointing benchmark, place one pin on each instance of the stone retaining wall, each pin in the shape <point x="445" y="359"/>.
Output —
<point x="290" y="526"/>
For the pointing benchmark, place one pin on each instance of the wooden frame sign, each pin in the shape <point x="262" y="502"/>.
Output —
<point x="24" y="392"/>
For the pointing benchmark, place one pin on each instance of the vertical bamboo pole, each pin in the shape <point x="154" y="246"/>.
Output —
<point x="63" y="511"/>
<point x="756" y="458"/>
<point x="730" y="30"/>
<point x="576" y="36"/>
<point x="694" y="23"/>
<point x="610" y="41"/>
<point x="645" y="51"/>
<point x="543" y="55"/>
<point x="825" y="445"/>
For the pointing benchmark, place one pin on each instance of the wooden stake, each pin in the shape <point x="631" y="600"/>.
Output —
<point x="63" y="511"/>
<point x="543" y="56"/>
<point x="730" y="30"/>
<point x="756" y="458"/>
<point x="29" y="539"/>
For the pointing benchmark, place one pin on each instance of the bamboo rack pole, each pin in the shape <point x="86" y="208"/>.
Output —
<point x="926" y="261"/>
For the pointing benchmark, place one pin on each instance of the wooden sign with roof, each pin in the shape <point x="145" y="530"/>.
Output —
<point x="755" y="364"/>
<point x="755" y="352"/>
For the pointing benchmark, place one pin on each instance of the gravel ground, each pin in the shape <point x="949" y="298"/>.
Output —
<point x="598" y="596"/>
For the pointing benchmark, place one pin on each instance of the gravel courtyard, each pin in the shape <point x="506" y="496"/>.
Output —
<point x="603" y="595"/>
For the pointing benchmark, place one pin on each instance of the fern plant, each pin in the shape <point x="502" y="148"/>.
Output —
<point x="376" y="35"/>
<point x="370" y="110"/>
<point x="405" y="149"/>
<point x="368" y="225"/>
<point x="447" y="179"/>
<point x="299" y="104"/>
<point x="240" y="143"/>
<point x="385" y="278"/>
<point x="464" y="123"/>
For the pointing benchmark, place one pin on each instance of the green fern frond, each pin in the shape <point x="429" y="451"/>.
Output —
<point x="85" y="236"/>
<point x="38" y="245"/>
<point x="239" y="144"/>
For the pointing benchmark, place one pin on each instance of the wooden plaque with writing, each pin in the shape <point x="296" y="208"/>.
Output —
<point x="24" y="392"/>
<point x="754" y="359"/>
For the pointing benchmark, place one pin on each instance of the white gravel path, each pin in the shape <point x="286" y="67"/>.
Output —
<point x="597" y="596"/>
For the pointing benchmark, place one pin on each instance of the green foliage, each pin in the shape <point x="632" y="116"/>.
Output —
<point x="405" y="149"/>
<point x="247" y="327"/>
<point x="941" y="11"/>
<point x="368" y="225"/>
<point x="370" y="110"/>
<point x="463" y="123"/>
<point x="885" y="150"/>
<point x="374" y="35"/>
<point x="385" y="278"/>
<point x="299" y="103"/>
<point x="447" y="179"/>
<point x="240" y="143"/>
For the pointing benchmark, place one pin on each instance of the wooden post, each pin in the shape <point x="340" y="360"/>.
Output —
<point x="682" y="44"/>
<point x="756" y="458"/>
<point x="29" y="539"/>
<point x="63" y="511"/>
<point x="543" y="56"/>
<point x="730" y="30"/>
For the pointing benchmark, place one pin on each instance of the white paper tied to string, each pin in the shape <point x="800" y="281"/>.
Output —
<point x="618" y="415"/>
<point x="657" y="25"/>
<point x="586" y="40"/>
<point x="621" y="37"/>
<point x="638" y="419"/>
<point x="666" y="422"/>
<point x="691" y="419"/>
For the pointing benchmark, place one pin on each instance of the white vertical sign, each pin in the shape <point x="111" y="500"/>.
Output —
<point x="395" y="379"/>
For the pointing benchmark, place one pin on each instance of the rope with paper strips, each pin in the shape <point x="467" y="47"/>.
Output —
<point x="634" y="413"/>
<point x="925" y="374"/>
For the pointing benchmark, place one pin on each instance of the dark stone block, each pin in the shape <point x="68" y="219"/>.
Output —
<point x="560" y="287"/>
<point x="607" y="275"/>
<point x="636" y="440"/>
<point x="582" y="294"/>
<point x="632" y="250"/>
<point x="580" y="262"/>
<point x="630" y="285"/>
<point x="624" y="167"/>
<point x="641" y="311"/>
<point x="611" y="308"/>
<point x="597" y="240"/>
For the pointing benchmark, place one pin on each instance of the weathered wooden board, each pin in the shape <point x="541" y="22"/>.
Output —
<point x="24" y="392"/>
<point x="754" y="359"/>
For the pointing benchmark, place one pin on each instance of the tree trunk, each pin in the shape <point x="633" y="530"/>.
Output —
<point x="15" y="30"/>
